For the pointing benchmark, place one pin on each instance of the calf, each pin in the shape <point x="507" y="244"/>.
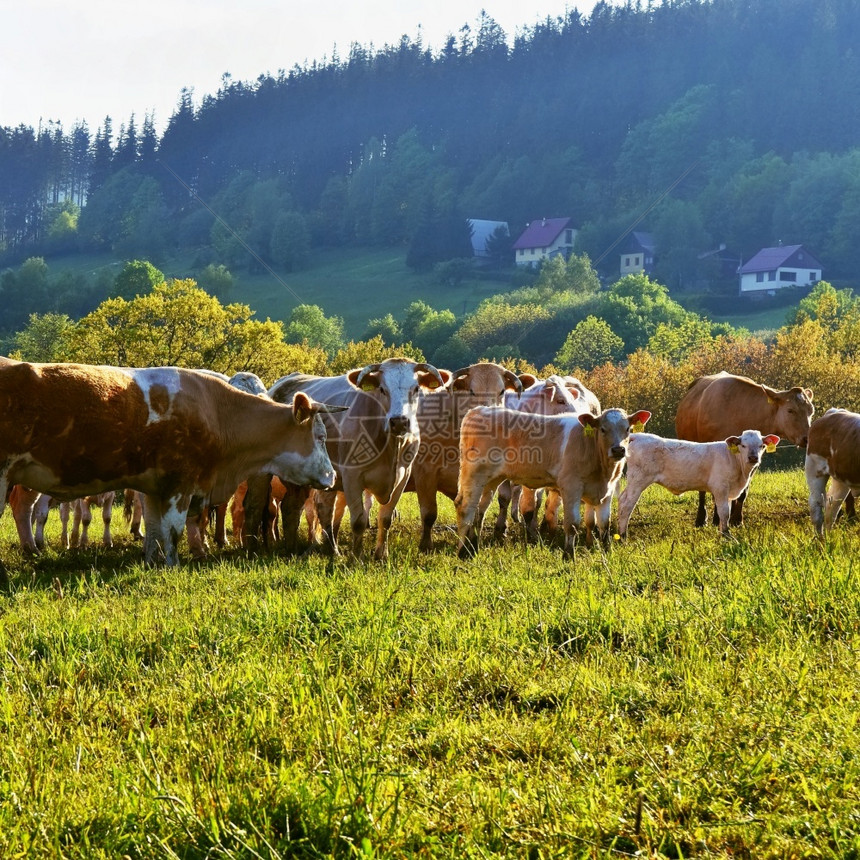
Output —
<point x="582" y="455"/>
<point x="722" y="469"/>
<point x="833" y="452"/>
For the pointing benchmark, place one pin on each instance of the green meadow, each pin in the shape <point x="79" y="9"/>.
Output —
<point x="680" y="695"/>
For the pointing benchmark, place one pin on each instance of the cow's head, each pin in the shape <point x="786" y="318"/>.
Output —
<point x="306" y="461"/>
<point x="395" y="383"/>
<point x="485" y="383"/>
<point x="611" y="430"/>
<point x="792" y="413"/>
<point x="549" y="396"/>
<point x="750" y="446"/>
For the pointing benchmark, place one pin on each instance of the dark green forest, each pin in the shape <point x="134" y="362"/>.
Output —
<point x="705" y="122"/>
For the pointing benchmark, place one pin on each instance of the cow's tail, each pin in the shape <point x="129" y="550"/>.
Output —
<point x="128" y="505"/>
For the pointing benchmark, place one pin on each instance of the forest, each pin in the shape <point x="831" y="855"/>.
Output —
<point x="675" y="117"/>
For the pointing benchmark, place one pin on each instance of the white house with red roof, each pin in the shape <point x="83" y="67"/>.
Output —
<point x="783" y="266"/>
<point x="543" y="239"/>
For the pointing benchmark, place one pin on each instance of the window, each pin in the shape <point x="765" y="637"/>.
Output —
<point x="791" y="277"/>
<point x="532" y="250"/>
<point x="636" y="261"/>
<point x="522" y="252"/>
<point x="627" y="262"/>
<point x="771" y="276"/>
<point x="568" y="237"/>
<point x="812" y="278"/>
<point x="759" y="277"/>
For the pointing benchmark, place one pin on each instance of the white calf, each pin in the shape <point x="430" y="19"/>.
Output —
<point x="723" y="469"/>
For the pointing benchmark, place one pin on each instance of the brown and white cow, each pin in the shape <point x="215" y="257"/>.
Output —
<point x="437" y="467"/>
<point x="833" y="453"/>
<point x="716" y="407"/>
<point x="181" y="437"/>
<point x="372" y="444"/>
<point x="582" y="455"/>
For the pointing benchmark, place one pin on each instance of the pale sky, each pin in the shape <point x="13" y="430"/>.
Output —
<point x="69" y="60"/>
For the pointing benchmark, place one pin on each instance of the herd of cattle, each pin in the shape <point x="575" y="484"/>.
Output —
<point x="181" y="443"/>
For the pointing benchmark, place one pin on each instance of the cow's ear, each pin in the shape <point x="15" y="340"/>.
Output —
<point x="808" y="393"/>
<point x="369" y="381"/>
<point x="527" y="379"/>
<point x="770" y="443"/>
<point x="549" y="391"/>
<point x="430" y="382"/>
<point x="513" y="382"/>
<point x="303" y="407"/>
<point x="588" y="420"/>
<point x="638" y="420"/>
<point x="733" y="442"/>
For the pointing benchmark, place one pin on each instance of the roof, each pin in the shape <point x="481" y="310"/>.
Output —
<point x="638" y="241"/>
<point x="542" y="233"/>
<point x="481" y="231"/>
<point x="771" y="259"/>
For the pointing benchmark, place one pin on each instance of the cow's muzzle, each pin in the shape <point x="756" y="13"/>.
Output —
<point x="398" y="425"/>
<point x="326" y="482"/>
<point x="618" y="452"/>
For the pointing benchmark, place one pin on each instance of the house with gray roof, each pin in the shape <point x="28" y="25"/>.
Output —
<point x="482" y="233"/>
<point x="775" y="268"/>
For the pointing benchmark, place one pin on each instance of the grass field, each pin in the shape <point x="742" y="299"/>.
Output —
<point x="682" y="695"/>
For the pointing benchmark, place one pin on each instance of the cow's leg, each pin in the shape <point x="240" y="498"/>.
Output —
<point x="597" y="518"/>
<point x="133" y="512"/>
<point x="40" y="517"/>
<point x="292" y="504"/>
<point x="165" y="519"/>
<point x="817" y="475"/>
<point x="358" y="518"/>
<point x="256" y="504"/>
<point x="572" y="500"/>
<point x="237" y="514"/>
<point x="22" y="500"/>
<point x="324" y="501"/>
<point x="549" y="525"/>
<point x="504" y="496"/>
<point x="724" y="512"/>
<point x="82" y="518"/>
<point x="626" y="504"/>
<point x="221" y="525"/>
<point x="839" y="492"/>
<point x="426" y="488"/>
<point x="702" y="511"/>
<point x="472" y="502"/>
<point x="384" y="518"/>
<point x="65" y="509"/>
<point x="196" y="523"/>
<point x="850" y="508"/>
<point x="107" y="513"/>
<point x="737" y="515"/>
<point x="529" y="501"/>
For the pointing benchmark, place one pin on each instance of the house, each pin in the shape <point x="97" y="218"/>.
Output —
<point x="774" y="268"/>
<point x="637" y="254"/>
<point x="482" y="232"/>
<point x="543" y="239"/>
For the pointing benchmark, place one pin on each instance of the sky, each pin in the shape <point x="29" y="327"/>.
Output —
<point x="71" y="60"/>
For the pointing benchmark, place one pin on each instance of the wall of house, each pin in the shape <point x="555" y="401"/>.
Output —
<point x="750" y="282"/>
<point x="632" y="264"/>
<point x="533" y="256"/>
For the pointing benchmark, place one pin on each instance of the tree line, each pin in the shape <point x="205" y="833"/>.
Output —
<point x="675" y="116"/>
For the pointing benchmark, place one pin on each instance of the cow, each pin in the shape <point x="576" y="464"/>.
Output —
<point x="372" y="443"/>
<point x="437" y="466"/>
<point x="582" y="455"/>
<point x="722" y="405"/>
<point x="181" y="437"/>
<point x="554" y="395"/>
<point x="833" y="453"/>
<point x="723" y="469"/>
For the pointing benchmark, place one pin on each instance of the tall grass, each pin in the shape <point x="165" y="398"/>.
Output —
<point x="680" y="695"/>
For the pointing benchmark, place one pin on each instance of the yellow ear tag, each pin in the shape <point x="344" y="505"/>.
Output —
<point x="771" y="401"/>
<point x="770" y="448"/>
<point x="367" y="386"/>
<point x="433" y="384"/>
<point x="588" y="430"/>
<point x="734" y="449"/>
<point x="638" y="427"/>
